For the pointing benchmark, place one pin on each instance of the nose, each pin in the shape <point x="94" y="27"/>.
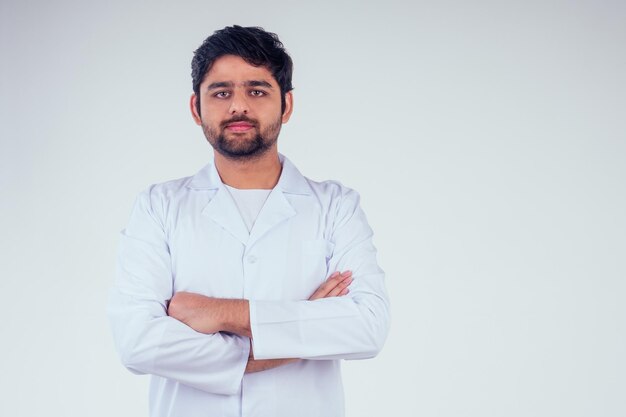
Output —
<point x="239" y="103"/>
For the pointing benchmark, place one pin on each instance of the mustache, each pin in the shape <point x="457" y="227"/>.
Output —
<point x="240" y="118"/>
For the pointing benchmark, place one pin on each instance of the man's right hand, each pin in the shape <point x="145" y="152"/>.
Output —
<point x="335" y="286"/>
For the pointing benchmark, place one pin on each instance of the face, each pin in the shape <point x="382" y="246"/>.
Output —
<point x="240" y="108"/>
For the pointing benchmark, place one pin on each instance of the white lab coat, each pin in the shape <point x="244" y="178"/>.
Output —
<point x="187" y="235"/>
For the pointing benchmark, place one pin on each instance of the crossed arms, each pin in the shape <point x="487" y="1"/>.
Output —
<point x="210" y="315"/>
<point x="205" y="342"/>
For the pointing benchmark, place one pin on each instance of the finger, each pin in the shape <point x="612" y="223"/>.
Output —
<point x="336" y="276"/>
<point x="316" y="295"/>
<point x="333" y="276"/>
<point x="336" y="281"/>
<point x="323" y="289"/>
<point x="330" y="284"/>
<point x="343" y="292"/>
<point x="340" y="287"/>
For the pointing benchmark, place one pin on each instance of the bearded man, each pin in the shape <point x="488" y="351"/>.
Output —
<point x="240" y="289"/>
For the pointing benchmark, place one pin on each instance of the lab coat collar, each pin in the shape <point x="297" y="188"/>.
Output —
<point x="291" y="181"/>
<point x="277" y="209"/>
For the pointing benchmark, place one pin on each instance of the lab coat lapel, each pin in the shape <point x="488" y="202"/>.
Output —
<point x="277" y="207"/>
<point x="223" y="211"/>
<point x="275" y="211"/>
<point x="221" y="208"/>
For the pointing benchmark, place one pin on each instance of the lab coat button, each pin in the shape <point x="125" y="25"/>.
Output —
<point x="251" y="259"/>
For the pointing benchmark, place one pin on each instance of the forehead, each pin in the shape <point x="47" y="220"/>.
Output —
<point x="231" y="68"/>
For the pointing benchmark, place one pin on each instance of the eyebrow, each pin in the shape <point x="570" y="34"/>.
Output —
<point x="230" y="84"/>
<point x="258" y="83"/>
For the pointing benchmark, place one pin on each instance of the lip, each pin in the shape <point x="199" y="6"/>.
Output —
<point x="239" y="126"/>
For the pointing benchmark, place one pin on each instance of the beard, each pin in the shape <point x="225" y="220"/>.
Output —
<point x="240" y="146"/>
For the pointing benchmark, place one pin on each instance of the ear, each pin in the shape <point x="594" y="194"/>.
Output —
<point x="194" y="109"/>
<point x="288" y="107"/>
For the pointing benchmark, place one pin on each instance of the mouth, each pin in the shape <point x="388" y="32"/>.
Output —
<point x="239" y="126"/>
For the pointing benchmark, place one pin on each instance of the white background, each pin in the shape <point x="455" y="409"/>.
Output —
<point x="487" y="140"/>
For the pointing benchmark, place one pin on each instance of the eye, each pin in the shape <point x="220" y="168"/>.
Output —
<point x="221" y="94"/>
<point x="257" y="93"/>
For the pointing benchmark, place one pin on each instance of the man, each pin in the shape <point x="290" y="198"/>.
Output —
<point x="222" y="293"/>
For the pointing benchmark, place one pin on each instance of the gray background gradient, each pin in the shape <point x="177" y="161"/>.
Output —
<point x="487" y="140"/>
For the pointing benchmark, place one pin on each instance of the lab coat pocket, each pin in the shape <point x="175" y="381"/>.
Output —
<point x="315" y="256"/>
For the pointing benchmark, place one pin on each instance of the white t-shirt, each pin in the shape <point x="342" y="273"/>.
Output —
<point x="249" y="202"/>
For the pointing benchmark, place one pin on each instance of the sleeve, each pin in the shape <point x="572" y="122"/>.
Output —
<point x="350" y="327"/>
<point x="147" y="339"/>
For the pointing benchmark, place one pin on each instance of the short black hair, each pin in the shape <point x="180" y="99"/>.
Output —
<point x="255" y="45"/>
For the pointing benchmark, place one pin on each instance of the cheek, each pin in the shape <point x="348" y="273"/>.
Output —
<point x="213" y="109"/>
<point x="271" y="111"/>
<point x="212" y="116"/>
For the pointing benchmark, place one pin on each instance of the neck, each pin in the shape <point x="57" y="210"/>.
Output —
<point x="258" y="173"/>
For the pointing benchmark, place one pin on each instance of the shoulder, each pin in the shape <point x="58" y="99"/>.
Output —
<point x="165" y="191"/>
<point x="333" y="190"/>
<point x="292" y="181"/>
<point x="175" y="190"/>
<point x="341" y="207"/>
<point x="159" y="199"/>
<point x="169" y="189"/>
<point x="339" y="202"/>
<point x="328" y="194"/>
